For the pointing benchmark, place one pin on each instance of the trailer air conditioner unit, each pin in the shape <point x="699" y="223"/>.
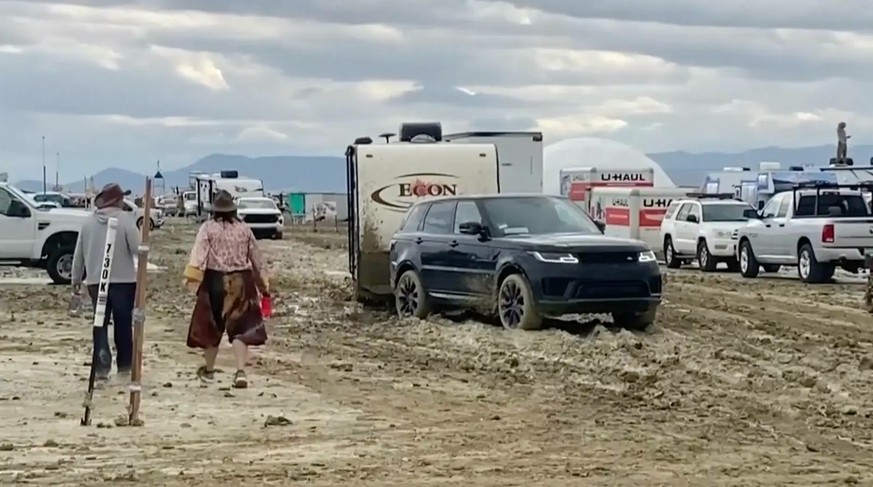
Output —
<point x="409" y="130"/>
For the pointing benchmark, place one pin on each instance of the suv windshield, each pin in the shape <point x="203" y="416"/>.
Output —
<point x="536" y="216"/>
<point x="724" y="213"/>
<point x="256" y="205"/>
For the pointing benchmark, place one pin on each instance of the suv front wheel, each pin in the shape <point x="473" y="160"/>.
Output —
<point x="515" y="304"/>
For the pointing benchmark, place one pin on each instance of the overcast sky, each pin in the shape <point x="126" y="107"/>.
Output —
<point x="123" y="83"/>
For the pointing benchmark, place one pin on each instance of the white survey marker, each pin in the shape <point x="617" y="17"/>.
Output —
<point x="105" y="272"/>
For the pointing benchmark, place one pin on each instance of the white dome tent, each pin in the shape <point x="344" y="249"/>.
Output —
<point x="593" y="152"/>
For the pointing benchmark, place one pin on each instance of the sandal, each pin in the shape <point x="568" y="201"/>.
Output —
<point x="205" y="374"/>
<point x="239" y="380"/>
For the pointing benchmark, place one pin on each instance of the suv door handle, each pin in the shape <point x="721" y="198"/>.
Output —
<point x="453" y="243"/>
<point x="781" y="224"/>
<point x="767" y="225"/>
<point x="418" y="240"/>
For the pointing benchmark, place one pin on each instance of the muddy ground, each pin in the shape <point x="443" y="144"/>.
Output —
<point x="742" y="382"/>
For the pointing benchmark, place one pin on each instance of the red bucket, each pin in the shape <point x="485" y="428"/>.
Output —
<point x="266" y="307"/>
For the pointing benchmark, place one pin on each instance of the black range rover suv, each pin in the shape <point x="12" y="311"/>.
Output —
<point x="520" y="257"/>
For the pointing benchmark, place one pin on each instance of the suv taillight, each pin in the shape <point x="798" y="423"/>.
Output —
<point x="827" y="233"/>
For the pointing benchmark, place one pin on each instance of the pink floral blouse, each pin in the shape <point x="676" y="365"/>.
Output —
<point x="225" y="247"/>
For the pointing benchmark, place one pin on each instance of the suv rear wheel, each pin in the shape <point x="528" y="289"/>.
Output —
<point x="670" y="258"/>
<point x="410" y="297"/>
<point x="516" y="308"/>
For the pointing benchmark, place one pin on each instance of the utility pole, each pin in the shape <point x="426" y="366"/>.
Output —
<point x="57" y="169"/>
<point x="44" y="189"/>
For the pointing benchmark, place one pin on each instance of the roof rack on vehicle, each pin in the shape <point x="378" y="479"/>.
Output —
<point x="831" y="185"/>
<point x="714" y="196"/>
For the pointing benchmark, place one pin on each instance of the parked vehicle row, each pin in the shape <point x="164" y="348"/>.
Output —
<point x="816" y="227"/>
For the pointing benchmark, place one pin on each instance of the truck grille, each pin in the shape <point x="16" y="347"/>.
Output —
<point x="261" y="218"/>
<point x="607" y="257"/>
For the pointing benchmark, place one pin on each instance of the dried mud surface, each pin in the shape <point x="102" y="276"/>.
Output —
<point x="741" y="382"/>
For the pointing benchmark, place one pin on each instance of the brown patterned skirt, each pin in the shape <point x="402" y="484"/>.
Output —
<point x="227" y="303"/>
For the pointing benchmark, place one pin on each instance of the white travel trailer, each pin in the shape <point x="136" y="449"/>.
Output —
<point x="384" y="180"/>
<point x="520" y="155"/>
<point x="207" y="185"/>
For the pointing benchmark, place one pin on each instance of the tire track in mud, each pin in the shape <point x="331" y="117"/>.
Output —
<point x="822" y="351"/>
<point x="715" y="373"/>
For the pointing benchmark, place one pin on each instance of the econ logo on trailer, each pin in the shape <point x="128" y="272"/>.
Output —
<point x="407" y="189"/>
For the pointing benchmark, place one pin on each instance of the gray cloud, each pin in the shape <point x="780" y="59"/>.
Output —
<point x="117" y="80"/>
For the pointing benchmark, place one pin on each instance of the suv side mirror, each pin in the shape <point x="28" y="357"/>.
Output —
<point x="471" y="228"/>
<point x="600" y="226"/>
<point x="692" y="219"/>
<point x="751" y="214"/>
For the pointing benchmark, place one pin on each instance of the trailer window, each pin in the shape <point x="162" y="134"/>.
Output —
<point x="439" y="218"/>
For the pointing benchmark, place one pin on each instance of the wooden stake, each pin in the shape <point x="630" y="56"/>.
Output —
<point x="139" y="308"/>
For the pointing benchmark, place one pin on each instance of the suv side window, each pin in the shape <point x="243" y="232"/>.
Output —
<point x="466" y="212"/>
<point x="439" y="218"/>
<point x="671" y="210"/>
<point x="683" y="213"/>
<point x="413" y="219"/>
<point x="694" y="210"/>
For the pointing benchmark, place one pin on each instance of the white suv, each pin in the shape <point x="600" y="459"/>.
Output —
<point x="703" y="228"/>
<point x="261" y="215"/>
<point x="34" y="237"/>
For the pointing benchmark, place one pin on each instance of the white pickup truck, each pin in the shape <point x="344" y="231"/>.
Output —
<point x="814" y="229"/>
<point x="34" y="237"/>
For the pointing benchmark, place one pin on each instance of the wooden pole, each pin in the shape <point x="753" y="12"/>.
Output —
<point x="139" y="309"/>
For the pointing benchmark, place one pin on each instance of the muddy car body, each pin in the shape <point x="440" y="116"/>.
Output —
<point x="522" y="257"/>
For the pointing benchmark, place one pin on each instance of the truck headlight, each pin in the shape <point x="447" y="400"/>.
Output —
<point x="647" y="256"/>
<point x="555" y="257"/>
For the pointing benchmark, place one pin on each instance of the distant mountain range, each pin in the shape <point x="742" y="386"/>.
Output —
<point x="310" y="174"/>
<point x="314" y="174"/>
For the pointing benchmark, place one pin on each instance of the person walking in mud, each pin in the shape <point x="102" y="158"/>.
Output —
<point x="842" y="143"/>
<point x="226" y="272"/>
<point x="87" y="261"/>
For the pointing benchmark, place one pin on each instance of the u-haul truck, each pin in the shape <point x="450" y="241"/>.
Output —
<point x="634" y="213"/>
<point x="384" y="180"/>
<point x="577" y="183"/>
